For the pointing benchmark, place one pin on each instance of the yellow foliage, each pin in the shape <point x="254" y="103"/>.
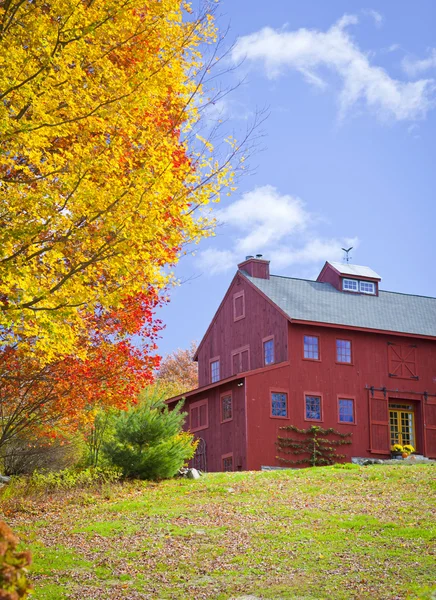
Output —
<point x="99" y="176"/>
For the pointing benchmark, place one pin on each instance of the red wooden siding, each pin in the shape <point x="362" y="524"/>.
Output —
<point x="222" y="438"/>
<point x="330" y="275"/>
<point x="332" y="380"/>
<point x="225" y="336"/>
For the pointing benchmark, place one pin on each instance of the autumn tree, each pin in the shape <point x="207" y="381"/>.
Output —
<point x="178" y="372"/>
<point x="46" y="400"/>
<point x="101" y="172"/>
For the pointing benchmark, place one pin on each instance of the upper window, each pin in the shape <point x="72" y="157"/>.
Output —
<point x="198" y="415"/>
<point x="241" y="360"/>
<point x="367" y="287"/>
<point x="279" y="404"/>
<point x="352" y="285"/>
<point x="355" y="285"/>
<point x="343" y="351"/>
<point x="215" y="371"/>
<point x="313" y="408"/>
<point x="226" y="408"/>
<point x="311" y="347"/>
<point x="346" y="410"/>
<point x="238" y="306"/>
<point x="268" y="352"/>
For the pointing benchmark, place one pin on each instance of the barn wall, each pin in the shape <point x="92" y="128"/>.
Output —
<point x="222" y="438"/>
<point x="327" y="378"/>
<point x="226" y="335"/>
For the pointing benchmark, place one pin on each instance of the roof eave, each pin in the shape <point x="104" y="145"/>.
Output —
<point x="357" y="328"/>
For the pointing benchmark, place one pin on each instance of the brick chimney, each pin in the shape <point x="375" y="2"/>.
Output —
<point x="255" y="266"/>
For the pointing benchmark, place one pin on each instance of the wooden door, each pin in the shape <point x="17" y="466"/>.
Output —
<point x="429" y="410"/>
<point x="402" y="424"/>
<point x="378" y="423"/>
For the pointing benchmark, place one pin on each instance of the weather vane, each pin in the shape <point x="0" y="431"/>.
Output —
<point x="347" y="256"/>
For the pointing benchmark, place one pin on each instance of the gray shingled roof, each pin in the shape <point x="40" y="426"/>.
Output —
<point x="315" y="301"/>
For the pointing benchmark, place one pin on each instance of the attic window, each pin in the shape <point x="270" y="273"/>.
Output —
<point x="351" y="285"/>
<point x="355" y="285"/>
<point x="367" y="287"/>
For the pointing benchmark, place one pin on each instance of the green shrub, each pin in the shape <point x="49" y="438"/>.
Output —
<point x="13" y="566"/>
<point x="68" y="479"/>
<point x="74" y="478"/>
<point x="94" y="435"/>
<point x="148" y="441"/>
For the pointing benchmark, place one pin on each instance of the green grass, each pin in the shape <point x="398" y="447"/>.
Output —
<point x="323" y="533"/>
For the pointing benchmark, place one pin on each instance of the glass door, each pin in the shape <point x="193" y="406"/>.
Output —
<point x="402" y="424"/>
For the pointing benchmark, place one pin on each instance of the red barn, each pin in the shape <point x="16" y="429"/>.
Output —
<point x="338" y="352"/>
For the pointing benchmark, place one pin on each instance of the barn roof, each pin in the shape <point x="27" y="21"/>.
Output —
<point x="307" y="300"/>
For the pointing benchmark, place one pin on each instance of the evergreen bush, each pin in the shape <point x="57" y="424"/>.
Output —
<point x="147" y="440"/>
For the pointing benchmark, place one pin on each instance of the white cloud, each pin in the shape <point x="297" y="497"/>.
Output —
<point x="414" y="67"/>
<point x="314" y="250"/>
<point x="309" y="51"/>
<point x="378" y="18"/>
<point x="264" y="216"/>
<point x="214" y="261"/>
<point x="276" y="225"/>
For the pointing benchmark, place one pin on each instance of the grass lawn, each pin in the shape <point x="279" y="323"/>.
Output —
<point x="333" y="533"/>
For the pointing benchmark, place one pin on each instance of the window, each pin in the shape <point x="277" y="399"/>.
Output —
<point x="241" y="360"/>
<point x="343" y="351"/>
<point x="402" y="361"/>
<point x="268" y="352"/>
<point x="238" y="306"/>
<point x="311" y="347"/>
<point x="346" y="410"/>
<point x="355" y="285"/>
<point x="351" y="285"/>
<point x="367" y="287"/>
<point x="313" y="408"/>
<point x="214" y="371"/>
<point x="226" y="408"/>
<point x="227" y="462"/>
<point x="279" y="404"/>
<point x="198" y="415"/>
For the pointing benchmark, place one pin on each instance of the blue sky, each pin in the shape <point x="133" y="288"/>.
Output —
<point x="348" y="153"/>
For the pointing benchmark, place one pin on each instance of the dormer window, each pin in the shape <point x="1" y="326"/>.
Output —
<point x="354" y="285"/>
<point x="367" y="287"/>
<point x="351" y="285"/>
<point x="346" y="277"/>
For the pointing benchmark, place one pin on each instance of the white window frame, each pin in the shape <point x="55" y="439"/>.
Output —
<point x="350" y="289"/>
<point x="363" y="291"/>
<point x="214" y="372"/>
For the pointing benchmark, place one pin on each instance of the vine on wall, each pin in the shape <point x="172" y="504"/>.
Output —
<point x="316" y="445"/>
